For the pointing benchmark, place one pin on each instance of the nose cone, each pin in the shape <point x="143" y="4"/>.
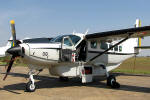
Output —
<point x="15" y="51"/>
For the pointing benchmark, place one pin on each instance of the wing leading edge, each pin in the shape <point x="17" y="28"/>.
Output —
<point x="136" y="32"/>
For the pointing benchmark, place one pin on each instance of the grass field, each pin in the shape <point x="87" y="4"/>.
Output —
<point x="18" y="61"/>
<point x="138" y="65"/>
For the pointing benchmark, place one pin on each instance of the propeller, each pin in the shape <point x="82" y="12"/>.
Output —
<point x="15" y="51"/>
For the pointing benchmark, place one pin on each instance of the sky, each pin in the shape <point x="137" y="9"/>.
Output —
<point x="49" y="18"/>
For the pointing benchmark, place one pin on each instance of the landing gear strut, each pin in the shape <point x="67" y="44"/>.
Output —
<point x="30" y="86"/>
<point x="111" y="79"/>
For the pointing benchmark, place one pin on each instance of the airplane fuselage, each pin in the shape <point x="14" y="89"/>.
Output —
<point x="49" y="54"/>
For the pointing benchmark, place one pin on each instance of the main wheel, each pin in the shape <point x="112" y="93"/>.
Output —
<point x="30" y="87"/>
<point x="111" y="81"/>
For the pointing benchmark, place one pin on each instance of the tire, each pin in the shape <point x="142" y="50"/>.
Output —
<point x="115" y="85"/>
<point x="111" y="81"/>
<point x="30" y="87"/>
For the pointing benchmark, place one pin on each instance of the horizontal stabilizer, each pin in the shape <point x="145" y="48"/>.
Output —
<point x="143" y="47"/>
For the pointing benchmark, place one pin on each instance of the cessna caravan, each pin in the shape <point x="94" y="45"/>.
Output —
<point x="76" y="55"/>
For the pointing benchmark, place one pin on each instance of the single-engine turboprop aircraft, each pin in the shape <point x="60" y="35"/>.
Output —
<point x="77" y="55"/>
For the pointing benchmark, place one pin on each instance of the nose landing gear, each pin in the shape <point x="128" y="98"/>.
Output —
<point x="30" y="86"/>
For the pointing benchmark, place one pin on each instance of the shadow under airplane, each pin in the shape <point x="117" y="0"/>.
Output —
<point x="52" y="82"/>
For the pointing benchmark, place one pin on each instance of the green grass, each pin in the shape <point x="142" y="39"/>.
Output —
<point x="18" y="61"/>
<point x="138" y="65"/>
<point x="131" y="71"/>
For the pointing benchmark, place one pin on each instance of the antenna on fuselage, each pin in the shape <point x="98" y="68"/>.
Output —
<point x="73" y="32"/>
<point x="86" y="31"/>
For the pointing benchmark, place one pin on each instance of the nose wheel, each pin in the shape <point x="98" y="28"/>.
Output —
<point x="30" y="87"/>
<point x="111" y="81"/>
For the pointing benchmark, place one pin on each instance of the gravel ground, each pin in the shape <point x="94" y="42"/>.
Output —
<point x="133" y="87"/>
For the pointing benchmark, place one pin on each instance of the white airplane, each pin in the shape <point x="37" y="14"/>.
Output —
<point x="4" y="48"/>
<point x="78" y="55"/>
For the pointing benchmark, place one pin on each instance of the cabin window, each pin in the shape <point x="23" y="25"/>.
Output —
<point x="104" y="46"/>
<point x="116" y="48"/>
<point x="110" y="45"/>
<point x="120" y="48"/>
<point x="67" y="42"/>
<point x="93" y="44"/>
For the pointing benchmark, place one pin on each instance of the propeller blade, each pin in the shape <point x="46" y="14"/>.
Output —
<point x="9" y="66"/>
<point x="12" y="22"/>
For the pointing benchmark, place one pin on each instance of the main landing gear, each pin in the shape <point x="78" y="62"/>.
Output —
<point x="111" y="79"/>
<point x="30" y="86"/>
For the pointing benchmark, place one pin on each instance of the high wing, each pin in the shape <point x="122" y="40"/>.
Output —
<point x="123" y="34"/>
<point x="118" y="34"/>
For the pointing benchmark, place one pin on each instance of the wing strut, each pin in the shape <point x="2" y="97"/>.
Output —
<point x="110" y="47"/>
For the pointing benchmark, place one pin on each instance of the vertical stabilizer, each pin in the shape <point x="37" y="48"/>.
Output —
<point x="138" y="24"/>
<point x="4" y="48"/>
<point x="9" y="43"/>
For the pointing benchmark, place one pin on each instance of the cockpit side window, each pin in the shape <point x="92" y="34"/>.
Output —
<point x="67" y="42"/>
<point x="74" y="39"/>
<point x="57" y="39"/>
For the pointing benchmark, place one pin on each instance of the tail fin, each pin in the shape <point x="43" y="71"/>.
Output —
<point x="138" y="24"/>
<point x="10" y="42"/>
<point x="139" y="40"/>
<point x="4" y="48"/>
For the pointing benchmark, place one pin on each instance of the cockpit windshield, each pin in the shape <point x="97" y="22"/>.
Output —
<point x="74" y="38"/>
